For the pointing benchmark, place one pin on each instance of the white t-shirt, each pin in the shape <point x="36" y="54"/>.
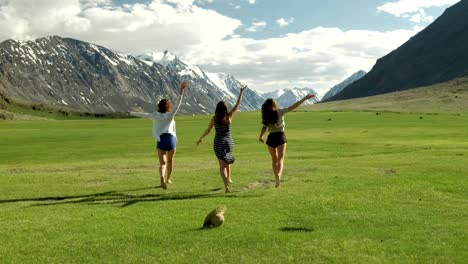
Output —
<point x="162" y="122"/>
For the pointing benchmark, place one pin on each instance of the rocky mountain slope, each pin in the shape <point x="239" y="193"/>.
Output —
<point x="69" y="73"/>
<point x="339" y="87"/>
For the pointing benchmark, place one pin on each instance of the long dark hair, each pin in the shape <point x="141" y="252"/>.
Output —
<point x="270" y="113"/>
<point x="221" y="113"/>
<point x="164" y="106"/>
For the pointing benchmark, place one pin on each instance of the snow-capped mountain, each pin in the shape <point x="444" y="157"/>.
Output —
<point x="86" y="77"/>
<point x="163" y="58"/>
<point x="227" y="84"/>
<point x="252" y="100"/>
<point x="219" y="80"/>
<point x="339" y="87"/>
<point x="290" y="96"/>
<point x="287" y="97"/>
<point x="274" y="94"/>
<point x="191" y="74"/>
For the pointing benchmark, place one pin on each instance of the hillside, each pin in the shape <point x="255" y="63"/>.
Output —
<point x="437" y="54"/>
<point x="448" y="97"/>
<point x="20" y="110"/>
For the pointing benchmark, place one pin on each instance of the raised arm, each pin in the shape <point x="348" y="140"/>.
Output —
<point x="298" y="103"/>
<point x="262" y="132"/>
<point x="239" y="99"/>
<point x="140" y="114"/>
<point x="183" y="86"/>
<point x="207" y="131"/>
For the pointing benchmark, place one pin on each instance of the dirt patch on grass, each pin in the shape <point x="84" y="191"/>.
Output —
<point x="389" y="172"/>
<point x="263" y="184"/>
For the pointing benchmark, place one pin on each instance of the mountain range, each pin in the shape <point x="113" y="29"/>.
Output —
<point x="437" y="54"/>
<point x="73" y="74"/>
<point x="287" y="97"/>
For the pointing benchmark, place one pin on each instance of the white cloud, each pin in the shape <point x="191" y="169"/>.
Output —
<point x="414" y="10"/>
<point x="421" y="17"/>
<point x="251" y="1"/>
<point x="256" y="26"/>
<point x="158" y="25"/>
<point x="318" y="58"/>
<point x="282" y="22"/>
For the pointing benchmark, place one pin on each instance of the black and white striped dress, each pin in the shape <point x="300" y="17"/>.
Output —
<point x="223" y="143"/>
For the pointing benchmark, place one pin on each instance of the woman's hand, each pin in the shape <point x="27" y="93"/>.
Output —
<point x="243" y="88"/>
<point x="183" y="86"/>
<point x="309" y="96"/>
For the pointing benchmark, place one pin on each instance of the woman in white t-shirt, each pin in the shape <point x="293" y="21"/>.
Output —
<point x="273" y="121"/>
<point x="164" y="131"/>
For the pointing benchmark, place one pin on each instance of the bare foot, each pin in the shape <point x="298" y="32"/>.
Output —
<point x="164" y="186"/>
<point x="169" y="181"/>
<point x="229" y="180"/>
<point x="227" y="190"/>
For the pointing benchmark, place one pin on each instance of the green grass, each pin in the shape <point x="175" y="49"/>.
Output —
<point x="12" y="110"/>
<point x="358" y="188"/>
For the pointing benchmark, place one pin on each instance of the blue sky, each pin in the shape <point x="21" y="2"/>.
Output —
<point x="345" y="14"/>
<point x="269" y="44"/>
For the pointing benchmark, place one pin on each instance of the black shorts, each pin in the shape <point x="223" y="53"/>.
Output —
<point x="166" y="142"/>
<point x="277" y="139"/>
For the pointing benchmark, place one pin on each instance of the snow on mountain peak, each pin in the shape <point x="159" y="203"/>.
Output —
<point x="287" y="97"/>
<point x="274" y="94"/>
<point x="164" y="58"/>
<point x="341" y="86"/>
<point x="219" y="80"/>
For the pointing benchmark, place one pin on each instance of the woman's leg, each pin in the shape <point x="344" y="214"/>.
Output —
<point x="274" y="164"/>
<point x="229" y="173"/>
<point x="281" y="150"/>
<point x="162" y="166"/>
<point x="223" y="171"/>
<point x="170" y="164"/>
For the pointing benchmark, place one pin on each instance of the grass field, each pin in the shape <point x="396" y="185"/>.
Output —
<point x="358" y="188"/>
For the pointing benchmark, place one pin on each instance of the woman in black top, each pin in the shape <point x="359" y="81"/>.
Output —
<point x="223" y="142"/>
<point x="273" y="121"/>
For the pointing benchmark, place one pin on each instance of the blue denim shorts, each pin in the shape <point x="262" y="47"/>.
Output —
<point x="166" y="142"/>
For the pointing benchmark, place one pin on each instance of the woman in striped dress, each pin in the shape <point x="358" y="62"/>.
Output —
<point x="223" y="142"/>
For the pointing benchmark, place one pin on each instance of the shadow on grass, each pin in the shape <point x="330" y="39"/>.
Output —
<point x="123" y="199"/>
<point x="296" y="229"/>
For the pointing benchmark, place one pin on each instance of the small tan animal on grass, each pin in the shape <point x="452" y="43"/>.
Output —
<point x="215" y="218"/>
